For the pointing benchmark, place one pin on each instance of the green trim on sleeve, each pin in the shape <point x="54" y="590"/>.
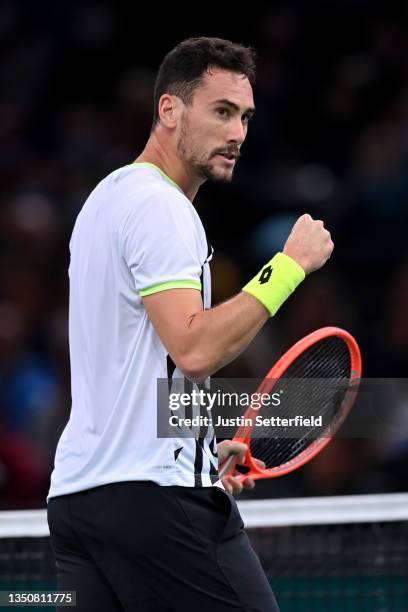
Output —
<point x="180" y="284"/>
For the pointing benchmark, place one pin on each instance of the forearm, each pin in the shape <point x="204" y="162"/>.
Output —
<point x="217" y="336"/>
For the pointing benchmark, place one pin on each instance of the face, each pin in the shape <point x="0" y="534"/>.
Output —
<point x="214" y="126"/>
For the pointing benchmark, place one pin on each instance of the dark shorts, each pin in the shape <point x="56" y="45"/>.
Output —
<point x="141" y="547"/>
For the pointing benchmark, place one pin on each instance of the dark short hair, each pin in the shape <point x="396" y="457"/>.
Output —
<point x="183" y="68"/>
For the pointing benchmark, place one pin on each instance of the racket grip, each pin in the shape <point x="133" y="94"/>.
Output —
<point x="227" y="466"/>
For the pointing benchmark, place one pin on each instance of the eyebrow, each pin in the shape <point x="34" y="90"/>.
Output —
<point x="250" y="111"/>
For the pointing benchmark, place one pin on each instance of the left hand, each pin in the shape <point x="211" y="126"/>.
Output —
<point x="231" y="483"/>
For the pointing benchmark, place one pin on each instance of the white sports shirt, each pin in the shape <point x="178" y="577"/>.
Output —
<point x="136" y="234"/>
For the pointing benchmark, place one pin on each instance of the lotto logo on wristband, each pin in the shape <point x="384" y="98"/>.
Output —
<point x="265" y="275"/>
<point x="273" y="289"/>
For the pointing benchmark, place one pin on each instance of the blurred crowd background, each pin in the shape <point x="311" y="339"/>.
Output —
<point x="330" y="138"/>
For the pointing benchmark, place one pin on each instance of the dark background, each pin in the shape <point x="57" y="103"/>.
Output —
<point x="330" y="138"/>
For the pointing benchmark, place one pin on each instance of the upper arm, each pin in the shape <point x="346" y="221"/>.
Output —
<point x="171" y="313"/>
<point x="159" y="244"/>
<point x="163" y="253"/>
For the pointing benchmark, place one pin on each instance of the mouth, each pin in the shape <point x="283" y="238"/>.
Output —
<point x="229" y="158"/>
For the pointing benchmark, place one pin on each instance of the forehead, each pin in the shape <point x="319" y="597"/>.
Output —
<point x="220" y="84"/>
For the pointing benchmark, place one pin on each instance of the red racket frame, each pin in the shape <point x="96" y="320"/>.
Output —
<point x="277" y="371"/>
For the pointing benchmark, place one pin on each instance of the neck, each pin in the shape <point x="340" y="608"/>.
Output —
<point x="161" y="152"/>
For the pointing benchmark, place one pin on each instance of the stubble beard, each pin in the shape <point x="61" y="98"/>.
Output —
<point x="203" y="169"/>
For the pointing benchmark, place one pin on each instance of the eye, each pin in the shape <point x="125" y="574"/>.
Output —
<point x="223" y="112"/>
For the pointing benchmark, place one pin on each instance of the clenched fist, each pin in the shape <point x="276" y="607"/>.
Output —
<point x="309" y="244"/>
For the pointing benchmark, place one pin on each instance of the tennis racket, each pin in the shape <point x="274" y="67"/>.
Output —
<point x="329" y="361"/>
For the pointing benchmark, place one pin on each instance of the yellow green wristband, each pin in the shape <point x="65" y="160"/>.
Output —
<point x="275" y="282"/>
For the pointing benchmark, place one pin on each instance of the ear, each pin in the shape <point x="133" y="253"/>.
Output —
<point x="170" y="109"/>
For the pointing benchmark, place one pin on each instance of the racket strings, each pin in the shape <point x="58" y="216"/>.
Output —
<point x="323" y="372"/>
<point x="329" y="358"/>
<point x="294" y="390"/>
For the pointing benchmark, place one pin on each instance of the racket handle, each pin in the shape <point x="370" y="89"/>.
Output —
<point x="227" y="466"/>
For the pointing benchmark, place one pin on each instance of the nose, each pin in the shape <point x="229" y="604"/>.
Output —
<point x="237" y="132"/>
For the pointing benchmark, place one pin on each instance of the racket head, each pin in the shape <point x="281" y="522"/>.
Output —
<point x="318" y="340"/>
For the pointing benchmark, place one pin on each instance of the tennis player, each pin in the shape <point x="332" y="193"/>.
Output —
<point x="139" y="522"/>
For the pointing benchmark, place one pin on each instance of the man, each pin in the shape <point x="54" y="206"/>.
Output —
<point x="135" y="520"/>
